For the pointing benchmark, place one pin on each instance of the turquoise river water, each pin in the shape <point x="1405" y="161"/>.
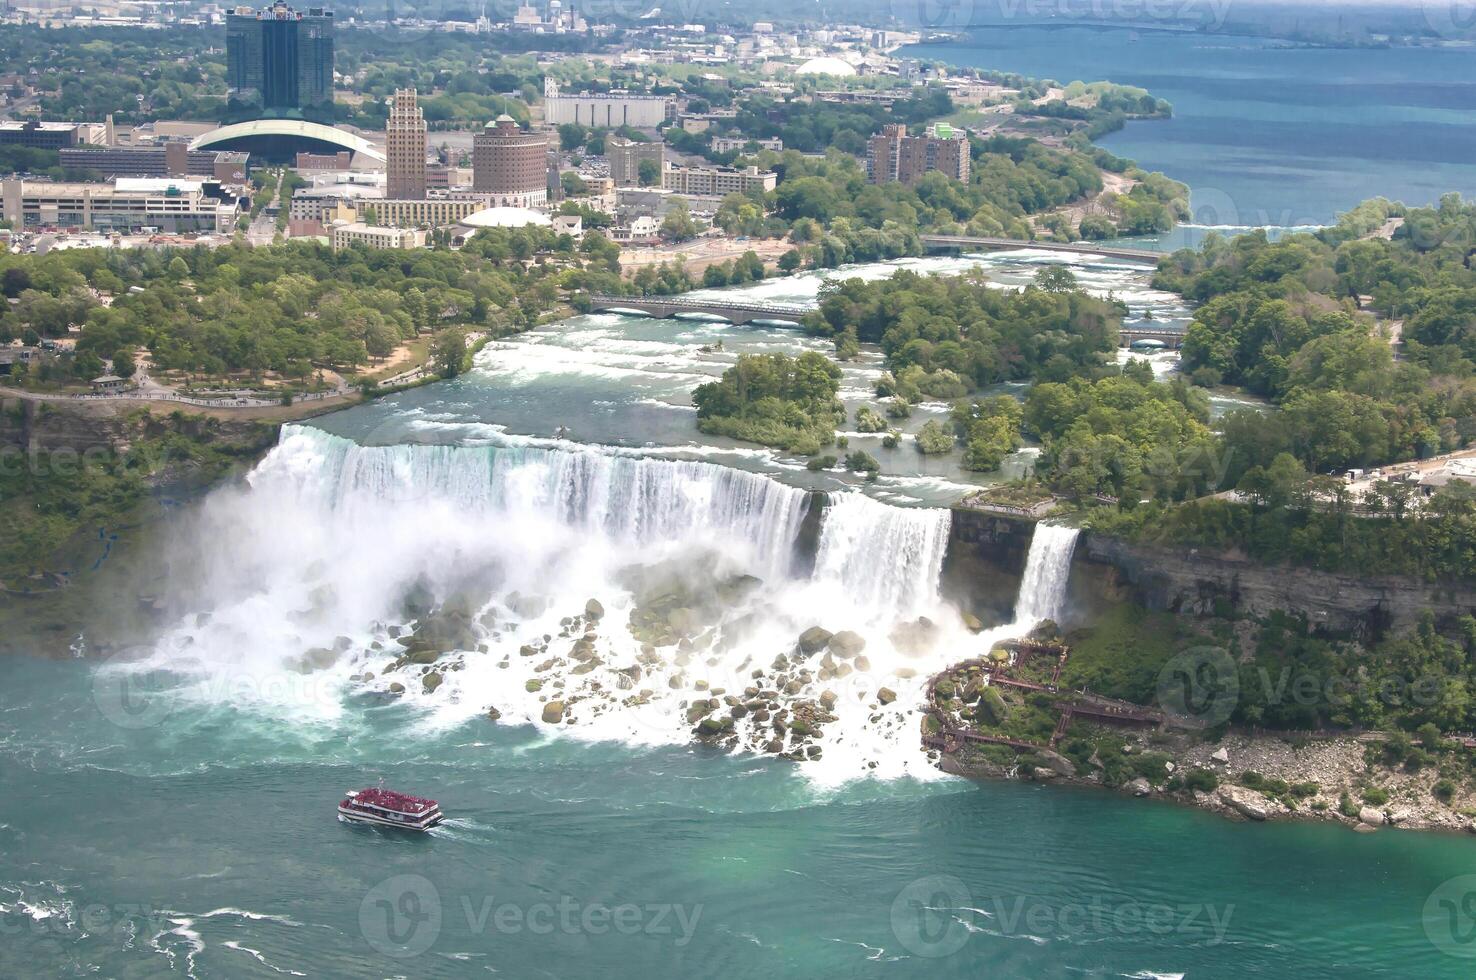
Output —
<point x="169" y="809"/>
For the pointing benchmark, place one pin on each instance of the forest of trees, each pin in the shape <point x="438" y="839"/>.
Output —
<point x="288" y="308"/>
<point x="789" y="403"/>
<point x="1285" y="320"/>
<point x="945" y="336"/>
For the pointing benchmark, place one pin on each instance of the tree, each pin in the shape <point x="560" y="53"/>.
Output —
<point x="648" y="173"/>
<point x="790" y="260"/>
<point x="679" y="225"/>
<point x="1055" y="279"/>
<point x="933" y="439"/>
<point x="123" y="365"/>
<point x="178" y="268"/>
<point x="572" y="136"/>
<point x="448" y="352"/>
<point x="572" y="183"/>
<point x="381" y="339"/>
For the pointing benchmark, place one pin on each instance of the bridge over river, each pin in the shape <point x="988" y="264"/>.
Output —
<point x="661" y="307"/>
<point x="667" y="306"/>
<point x="959" y="243"/>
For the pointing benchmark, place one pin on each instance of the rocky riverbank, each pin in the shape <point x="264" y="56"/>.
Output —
<point x="1242" y="777"/>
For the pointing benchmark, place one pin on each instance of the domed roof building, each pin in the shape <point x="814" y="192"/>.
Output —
<point x="826" y="66"/>
<point x="505" y="218"/>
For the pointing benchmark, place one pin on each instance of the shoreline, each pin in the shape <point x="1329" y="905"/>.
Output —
<point x="1337" y="766"/>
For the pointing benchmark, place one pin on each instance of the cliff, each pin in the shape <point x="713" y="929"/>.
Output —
<point x="987" y="552"/>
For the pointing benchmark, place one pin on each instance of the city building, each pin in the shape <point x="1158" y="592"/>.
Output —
<point x="625" y="158"/>
<point x="375" y="236"/>
<point x="718" y="181"/>
<point x="166" y="204"/>
<point x="405" y="148"/>
<point x="280" y="60"/>
<point x="278" y="140"/>
<point x="643" y="230"/>
<point x="48" y="135"/>
<point x="441" y="176"/>
<point x="423" y="213"/>
<point x="511" y="164"/>
<point x="173" y="159"/>
<point x="729" y="144"/>
<point x="892" y="155"/>
<point x="323" y="161"/>
<point x="559" y="20"/>
<point x="604" y="110"/>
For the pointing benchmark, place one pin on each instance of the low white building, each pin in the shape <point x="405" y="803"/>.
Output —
<point x="376" y="236"/>
<point x="167" y="204"/>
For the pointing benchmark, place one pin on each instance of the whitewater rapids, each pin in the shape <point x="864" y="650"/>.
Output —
<point x="289" y="594"/>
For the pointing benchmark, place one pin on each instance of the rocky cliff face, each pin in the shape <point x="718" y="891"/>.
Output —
<point x="986" y="557"/>
<point x="33" y="426"/>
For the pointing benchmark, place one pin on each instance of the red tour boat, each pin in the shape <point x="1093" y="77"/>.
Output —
<point x="387" y="808"/>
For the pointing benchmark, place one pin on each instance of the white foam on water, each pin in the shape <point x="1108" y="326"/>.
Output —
<point x="310" y="563"/>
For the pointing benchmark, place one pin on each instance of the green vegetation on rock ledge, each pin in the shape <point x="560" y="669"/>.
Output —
<point x="789" y="403"/>
<point x="51" y="497"/>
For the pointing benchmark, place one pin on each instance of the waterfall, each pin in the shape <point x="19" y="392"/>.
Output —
<point x="311" y="576"/>
<point x="1047" y="570"/>
<point x="884" y="557"/>
<point x="636" y="501"/>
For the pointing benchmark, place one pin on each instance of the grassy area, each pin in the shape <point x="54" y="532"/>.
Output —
<point x="1122" y="653"/>
<point x="419" y="354"/>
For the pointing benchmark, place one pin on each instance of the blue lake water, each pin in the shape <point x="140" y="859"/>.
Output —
<point x="1266" y="133"/>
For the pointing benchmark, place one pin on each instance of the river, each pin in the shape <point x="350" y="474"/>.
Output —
<point x="168" y="810"/>
<point x="1264" y="132"/>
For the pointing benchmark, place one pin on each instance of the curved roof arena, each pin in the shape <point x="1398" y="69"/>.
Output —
<point x="279" y="139"/>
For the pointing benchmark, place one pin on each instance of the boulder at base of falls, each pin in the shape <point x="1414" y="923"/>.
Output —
<point x="318" y="658"/>
<point x="397" y="688"/>
<point x="1057" y="762"/>
<point x="814" y="639"/>
<point x="917" y="637"/>
<point x="973" y="623"/>
<point x="431" y="681"/>
<point x="553" y="712"/>
<point x="594" y="610"/>
<point x="886" y="695"/>
<point x="1247" y="802"/>
<point x="847" y="643"/>
<point x="493" y="714"/>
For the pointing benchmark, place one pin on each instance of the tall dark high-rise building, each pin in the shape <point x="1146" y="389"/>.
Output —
<point x="278" y="59"/>
<point x="404" y="146"/>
